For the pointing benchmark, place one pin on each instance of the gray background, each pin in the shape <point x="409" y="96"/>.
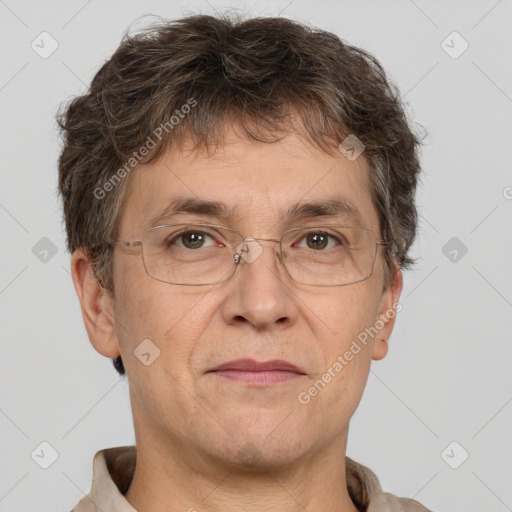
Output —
<point x="447" y="376"/>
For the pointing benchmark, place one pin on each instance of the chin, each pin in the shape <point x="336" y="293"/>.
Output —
<point x="260" y="455"/>
<point x="261" y="445"/>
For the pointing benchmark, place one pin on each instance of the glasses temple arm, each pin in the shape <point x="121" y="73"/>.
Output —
<point x="126" y="243"/>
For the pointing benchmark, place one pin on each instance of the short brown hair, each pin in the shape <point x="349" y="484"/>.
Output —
<point x="262" y="73"/>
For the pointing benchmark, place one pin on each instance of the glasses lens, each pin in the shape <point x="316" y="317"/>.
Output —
<point x="192" y="254"/>
<point x="196" y="254"/>
<point x="329" y="255"/>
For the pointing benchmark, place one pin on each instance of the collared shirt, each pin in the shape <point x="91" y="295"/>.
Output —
<point x="113" y="470"/>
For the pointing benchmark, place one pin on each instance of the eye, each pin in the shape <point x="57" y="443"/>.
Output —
<point x="191" y="239"/>
<point x="319" y="240"/>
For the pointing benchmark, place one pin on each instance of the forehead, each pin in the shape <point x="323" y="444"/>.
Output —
<point x="249" y="184"/>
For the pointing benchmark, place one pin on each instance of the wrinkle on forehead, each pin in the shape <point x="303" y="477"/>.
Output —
<point x="256" y="181"/>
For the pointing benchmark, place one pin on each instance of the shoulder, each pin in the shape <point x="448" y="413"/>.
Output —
<point x="113" y="470"/>
<point x="366" y="492"/>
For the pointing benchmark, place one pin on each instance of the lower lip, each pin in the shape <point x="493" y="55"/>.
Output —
<point x="263" y="377"/>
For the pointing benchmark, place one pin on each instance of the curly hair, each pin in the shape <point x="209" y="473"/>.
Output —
<point x="270" y="75"/>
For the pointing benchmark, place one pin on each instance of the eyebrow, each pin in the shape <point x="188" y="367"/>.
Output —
<point x="333" y="207"/>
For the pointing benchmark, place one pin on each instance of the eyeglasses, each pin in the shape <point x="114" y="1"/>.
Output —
<point x="203" y="254"/>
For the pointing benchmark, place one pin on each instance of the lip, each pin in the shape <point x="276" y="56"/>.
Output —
<point x="262" y="374"/>
<point x="249" y="365"/>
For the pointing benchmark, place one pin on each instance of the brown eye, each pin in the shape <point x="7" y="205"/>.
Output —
<point x="190" y="239"/>
<point x="319" y="240"/>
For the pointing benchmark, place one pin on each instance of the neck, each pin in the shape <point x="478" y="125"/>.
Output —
<point x="172" y="477"/>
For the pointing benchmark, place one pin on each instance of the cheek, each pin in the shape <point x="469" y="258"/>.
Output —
<point x="173" y="318"/>
<point x="173" y="321"/>
<point x="346" y="317"/>
<point x="345" y="314"/>
<point x="339" y="386"/>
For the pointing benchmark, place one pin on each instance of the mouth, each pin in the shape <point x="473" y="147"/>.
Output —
<point x="252" y="372"/>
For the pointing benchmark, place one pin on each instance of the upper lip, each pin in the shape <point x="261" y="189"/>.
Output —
<point x="249" y="365"/>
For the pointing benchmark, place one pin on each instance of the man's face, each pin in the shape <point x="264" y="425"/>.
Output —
<point x="259" y="314"/>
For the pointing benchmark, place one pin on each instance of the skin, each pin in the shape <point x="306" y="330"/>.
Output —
<point x="207" y="442"/>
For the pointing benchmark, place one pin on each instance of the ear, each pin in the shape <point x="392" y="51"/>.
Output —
<point x="96" y="305"/>
<point x="388" y="309"/>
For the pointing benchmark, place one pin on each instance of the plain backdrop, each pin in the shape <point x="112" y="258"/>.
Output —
<point x="443" y="393"/>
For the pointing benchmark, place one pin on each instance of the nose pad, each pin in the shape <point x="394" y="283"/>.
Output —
<point x="249" y="249"/>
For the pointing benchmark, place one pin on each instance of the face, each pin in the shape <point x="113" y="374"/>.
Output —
<point x="259" y="314"/>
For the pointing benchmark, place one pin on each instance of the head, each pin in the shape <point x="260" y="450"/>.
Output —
<point x="250" y="113"/>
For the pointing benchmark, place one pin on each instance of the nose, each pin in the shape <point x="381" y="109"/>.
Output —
<point x="261" y="294"/>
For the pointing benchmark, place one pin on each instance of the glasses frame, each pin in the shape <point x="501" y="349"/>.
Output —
<point x="238" y="257"/>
